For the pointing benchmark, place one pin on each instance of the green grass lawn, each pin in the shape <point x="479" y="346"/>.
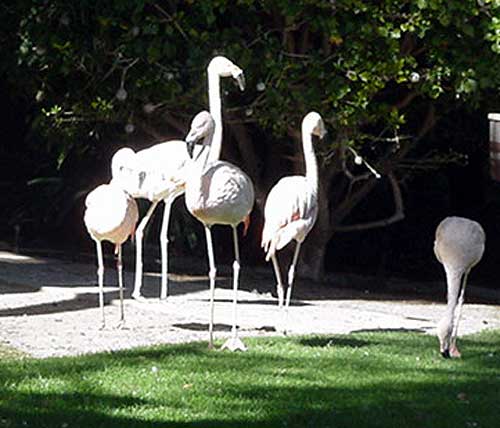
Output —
<point x="391" y="379"/>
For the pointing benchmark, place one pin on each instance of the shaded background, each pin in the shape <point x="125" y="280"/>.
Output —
<point x="425" y="69"/>
<point x="403" y="249"/>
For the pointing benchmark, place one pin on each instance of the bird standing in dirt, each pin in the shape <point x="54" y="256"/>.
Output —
<point x="160" y="171"/>
<point x="459" y="246"/>
<point x="111" y="215"/>
<point x="218" y="192"/>
<point x="156" y="174"/>
<point x="291" y="209"/>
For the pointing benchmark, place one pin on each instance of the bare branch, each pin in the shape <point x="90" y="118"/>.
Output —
<point x="174" y="123"/>
<point x="342" y="210"/>
<point x="347" y="205"/>
<point x="326" y="45"/>
<point x="171" y="19"/>
<point x="304" y="40"/>
<point x="151" y="131"/>
<point x="406" y="100"/>
<point x="397" y="216"/>
<point x="294" y="133"/>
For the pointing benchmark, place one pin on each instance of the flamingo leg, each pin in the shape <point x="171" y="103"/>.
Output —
<point x="234" y="343"/>
<point x="211" y="274"/>
<point x="164" y="246"/>
<point x="279" y="282"/>
<point x="291" y="276"/>
<point x="119" y="269"/>
<point x="100" y="276"/>
<point x="139" y="233"/>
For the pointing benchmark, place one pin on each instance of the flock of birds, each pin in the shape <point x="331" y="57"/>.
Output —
<point x="218" y="192"/>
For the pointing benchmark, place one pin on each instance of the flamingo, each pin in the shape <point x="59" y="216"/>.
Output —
<point x="160" y="171"/>
<point x="218" y="192"/>
<point x="459" y="246"/>
<point x="291" y="209"/>
<point x="157" y="173"/>
<point x="110" y="215"/>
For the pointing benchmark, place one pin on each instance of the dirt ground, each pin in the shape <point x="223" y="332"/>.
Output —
<point x="49" y="307"/>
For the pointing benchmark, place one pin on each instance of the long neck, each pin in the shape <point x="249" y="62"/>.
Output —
<point x="214" y="100"/>
<point x="310" y="160"/>
<point x="207" y="146"/>
<point x="455" y="283"/>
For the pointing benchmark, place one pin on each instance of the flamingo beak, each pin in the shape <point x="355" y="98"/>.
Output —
<point x="446" y="353"/>
<point x="190" y="142"/>
<point x="191" y="139"/>
<point x="142" y="177"/>
<point x="240" y="78"/>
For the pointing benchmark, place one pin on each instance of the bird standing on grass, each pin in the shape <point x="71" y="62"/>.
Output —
<point x="459" y="246"/>
<point x="291" y="209"/>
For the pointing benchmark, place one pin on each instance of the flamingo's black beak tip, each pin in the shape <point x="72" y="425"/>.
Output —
<point x="241" y="81"/>
<point x="446" y="353"/>
<point x="190" y="146"/>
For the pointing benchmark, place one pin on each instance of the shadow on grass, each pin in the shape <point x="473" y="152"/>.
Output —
<point x="327" y="341"/>
<point x="390" y="330"/>
<point x="299" y="382"/>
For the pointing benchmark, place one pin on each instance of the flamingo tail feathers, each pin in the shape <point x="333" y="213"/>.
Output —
<point x="246" y="224"/>
<point x="283" y="237"/>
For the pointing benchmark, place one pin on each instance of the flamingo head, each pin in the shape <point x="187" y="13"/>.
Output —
<point x="224" y="67"/>
<point x="202" y="127"/>
<point x="123" y="169"/>
<point x="313" y="124"/>
<point x="444" y="333"/>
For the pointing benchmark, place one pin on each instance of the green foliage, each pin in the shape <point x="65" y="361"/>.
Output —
<point x="351" y="60"/>
<point x="384" y="379"/>
<point x="93" y="72"/>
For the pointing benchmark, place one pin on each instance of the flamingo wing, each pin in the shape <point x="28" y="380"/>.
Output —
<point x="290" y="213"/>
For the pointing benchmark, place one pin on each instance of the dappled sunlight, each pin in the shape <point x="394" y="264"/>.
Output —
<point x="362" y="379"/>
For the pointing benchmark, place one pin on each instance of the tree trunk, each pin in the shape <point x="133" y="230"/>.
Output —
<point x="313" y="251"/>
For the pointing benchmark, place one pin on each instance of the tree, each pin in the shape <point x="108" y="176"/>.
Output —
<point x="380" y="73"/>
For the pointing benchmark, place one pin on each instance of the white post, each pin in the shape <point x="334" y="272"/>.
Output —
<point x="494" y="119"/>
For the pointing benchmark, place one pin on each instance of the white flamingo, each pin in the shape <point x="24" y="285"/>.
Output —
<point x="459" y="246"/>
<point x="292" y="207"/>
<point x="110" y="215"/>
<point x="155" y="174"/>
<point x="218" y="192"/>
<point x="160" y="175"/>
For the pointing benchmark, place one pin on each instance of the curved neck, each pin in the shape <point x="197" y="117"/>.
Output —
<point x="310" y="159"/>
<point x="455" y="284"/>
<point x="215" y="105"/>
<point x="207" y="146"/>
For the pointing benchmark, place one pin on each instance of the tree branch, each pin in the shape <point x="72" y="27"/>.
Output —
<point x="174" y="123"/>
<point x="397" y="216"/>
<point x="171" y="19"/>
<point x="406" y="100"/>
<point x="304" y="40"/>
<point x="342" y="210"/>
<point x="151" y="131"/>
